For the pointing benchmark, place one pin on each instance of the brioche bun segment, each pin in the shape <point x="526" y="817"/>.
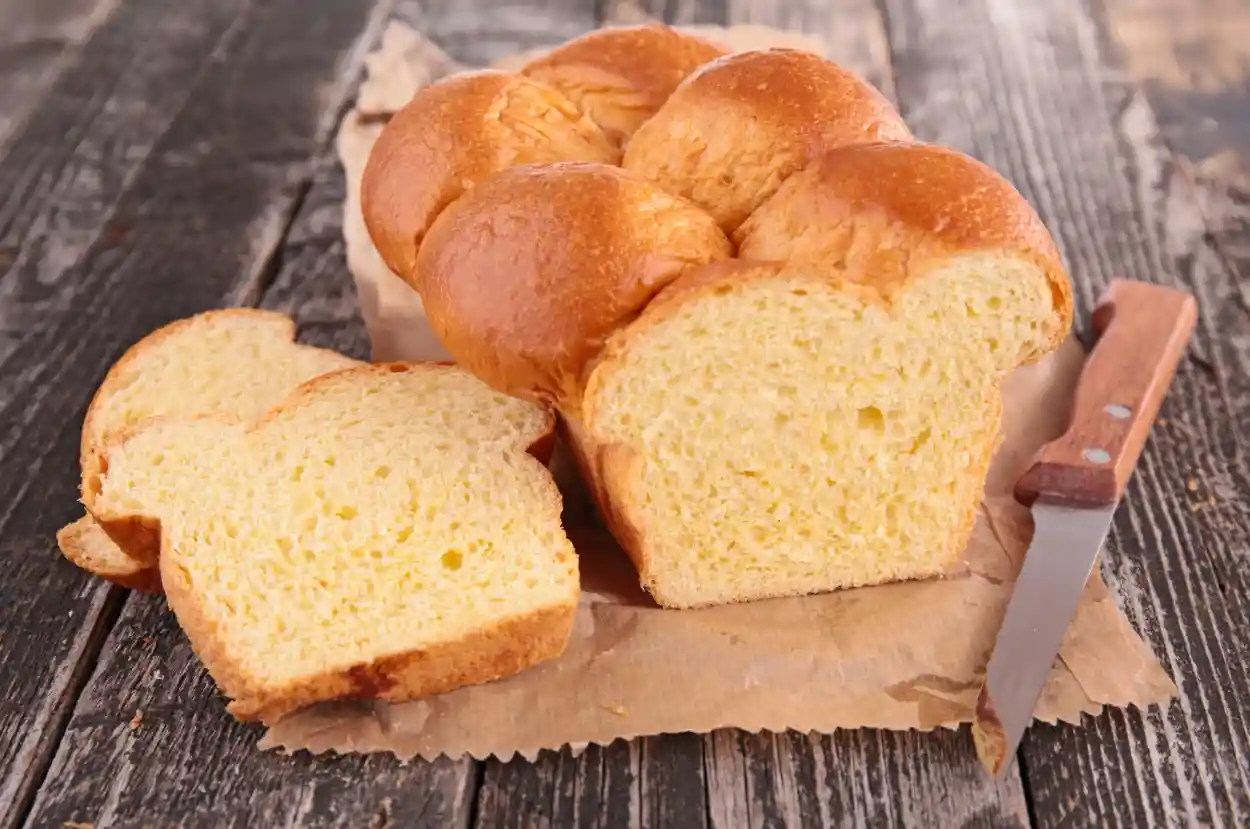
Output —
<point x="620" y="76"/>
<point x="526" y="275"/>
<point x="739" y="126"/>
<point x="455" y="133"/>
<point x="880" y="216"/>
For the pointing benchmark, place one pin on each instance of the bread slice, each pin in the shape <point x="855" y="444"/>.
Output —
<point x="384" y="533"/>
<point x="827" y="420"/>
<point x="237" y="362"/>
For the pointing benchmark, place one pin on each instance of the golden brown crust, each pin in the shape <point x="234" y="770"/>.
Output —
<point x="456" y="133"/>
<point x="737" y="127"/>
<point x="620" y="76"/>
<point x="526" y="275"/>
<point x="86" y="544"/>
<point x="879" y="215"/>
<point x="480" y="655"/>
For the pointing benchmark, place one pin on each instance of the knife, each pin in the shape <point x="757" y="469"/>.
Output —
<point x="1072" y="488"/>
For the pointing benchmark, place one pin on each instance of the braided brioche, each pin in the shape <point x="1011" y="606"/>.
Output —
<point x="620" y="77"/>
<point x="740" y="125"/>
<point x="456" y="133"/>
<point x="539" y="305"/>
<point x="815" y="412"/>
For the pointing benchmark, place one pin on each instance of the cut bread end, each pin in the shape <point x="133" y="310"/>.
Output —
<point x="86" y="544"/>
<point x="771" y="433"/>
<point x="236" y="362"/>
<point x="383" y="533"/>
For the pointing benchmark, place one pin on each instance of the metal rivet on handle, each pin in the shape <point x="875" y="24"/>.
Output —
<point x="1118" y="412"/>
<point x="1097" y="455"/>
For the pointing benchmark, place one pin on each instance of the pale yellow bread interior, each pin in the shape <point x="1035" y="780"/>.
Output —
<point x="384" y="532"/>
<point x="236" y="362"/>
<point x="766" y="432"/>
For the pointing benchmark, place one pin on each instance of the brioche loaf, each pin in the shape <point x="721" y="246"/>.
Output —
<point x="381" y="533"/>
<point x="818" y="412"/>
<point x="455" y="133"/>
<point x="620" y="76"/>
<point x="825" y="420"/>
<point x="525" y="276"/>
<point x="735" y="129"/>
<point x="236" y="362"/>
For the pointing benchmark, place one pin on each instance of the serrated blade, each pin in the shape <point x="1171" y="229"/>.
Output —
<point x="1060" y="558"/>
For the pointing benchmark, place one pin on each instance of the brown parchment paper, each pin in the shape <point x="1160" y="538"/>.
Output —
<point x="900" y="656"/>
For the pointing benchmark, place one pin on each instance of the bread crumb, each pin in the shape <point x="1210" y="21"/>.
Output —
<point x="73" y="824"/>
<point x="1205" y="503"/>
<point x="136" y="720"/>
<point x="616" y="708"/>
<point x="1163" y="421"/>
<point x="1192" y="484"/>
<point x="147" y="640"/>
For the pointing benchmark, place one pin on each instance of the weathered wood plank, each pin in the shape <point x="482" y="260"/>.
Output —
<point x="40" y="40"/>
<point x="857" y="778"/>
<point x="60" y="178"/>
<point x="479" y="32"/>
<point x="597" y="788"/>
<point x="1193" y="61"/>
<point x="149" y="742"/>
<point x="1030" y="89"/>
<point x="674" y="12"/>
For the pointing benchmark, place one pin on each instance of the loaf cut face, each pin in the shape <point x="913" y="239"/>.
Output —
<point x="768" y="434"/>
<point x="383" y="533"/>
<point x="236" y="362"/>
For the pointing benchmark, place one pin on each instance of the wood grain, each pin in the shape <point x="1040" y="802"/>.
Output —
<point x="1193" y="62"/>
<point x="63" y="172"/>
<point x="855" y="778"/>
<point x="149" y="742"/>
<point x="40" y="40"/>
<point x="1031" y="89"/>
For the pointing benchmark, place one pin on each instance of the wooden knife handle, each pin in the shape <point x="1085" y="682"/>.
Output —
<point x="1142" y="332"/>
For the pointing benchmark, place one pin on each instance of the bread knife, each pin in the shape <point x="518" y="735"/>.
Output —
<point x="1072" y="489"/>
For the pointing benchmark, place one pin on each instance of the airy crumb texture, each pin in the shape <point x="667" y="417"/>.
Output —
<point x="770" y="433"/>
<point x="383" y="533"/>
<point x="237" y="362"/>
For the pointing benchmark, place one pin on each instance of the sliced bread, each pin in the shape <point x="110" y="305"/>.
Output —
<point x="385" y="532"/>
<point x="236" y="362"/>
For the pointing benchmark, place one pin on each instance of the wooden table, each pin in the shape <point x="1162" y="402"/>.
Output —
<point x="159" y="158"/>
